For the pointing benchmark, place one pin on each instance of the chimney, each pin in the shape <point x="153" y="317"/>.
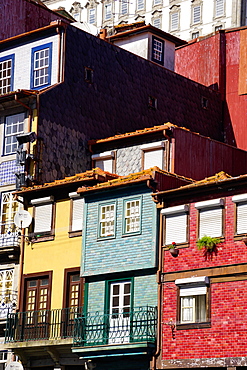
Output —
<point x="103" y="33"/>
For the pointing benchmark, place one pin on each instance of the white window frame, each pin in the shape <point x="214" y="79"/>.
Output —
<point x="107" y="223"/>
<point x="92" y="16"/>
<point x="176" y="224"/>
<point x="41" y="67"/>
<point x="108" y="11"/>
<point x="14" y="125"/>
<point x="158" y="51"/>
<point x="241" y="212"/>
<point x="193" y="292"/>
<point x="43" y="215"/>
<point x="149" y="149"/>
<point x="208" y="211"/>
<point x="104" y="161"/>
<point x="132" y="216"/>
<point x="196" y="18"/>
<point x="6" y="74"/>
<point x="77" y="211"/>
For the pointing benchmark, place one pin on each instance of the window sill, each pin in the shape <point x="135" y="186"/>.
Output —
<point x="240" y="237"/>
<point x="178" y="246"/>
<point x="131" y="234"/>
<point x="42" y="238"/>
<point x="193" y="325"/>
<point x="101" y="238"/>
<point x="73" y="234"/>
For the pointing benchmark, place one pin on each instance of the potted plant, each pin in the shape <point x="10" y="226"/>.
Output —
<point x="173" y="249"/>
<point x="208" y="243"/>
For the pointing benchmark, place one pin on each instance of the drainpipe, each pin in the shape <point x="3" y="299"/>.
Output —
<point x="61" y="54"/>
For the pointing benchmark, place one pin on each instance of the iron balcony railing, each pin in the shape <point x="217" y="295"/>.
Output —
<point x="136" y="325"/>
<point x="10" y="235"/>
<point x="41" y="325"/>
<point x="8" y="301"/>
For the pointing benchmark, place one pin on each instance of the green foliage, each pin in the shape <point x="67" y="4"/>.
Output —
<point x="207" y="242"/>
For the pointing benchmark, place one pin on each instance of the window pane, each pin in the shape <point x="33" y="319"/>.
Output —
<point x="5" y="73"/>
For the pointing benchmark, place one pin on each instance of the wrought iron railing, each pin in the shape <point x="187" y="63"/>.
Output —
<point x="10" y="235"/>
<point x="136" y="325"/>
<point x="8" y="302"/>
<point x="41" y="325"/>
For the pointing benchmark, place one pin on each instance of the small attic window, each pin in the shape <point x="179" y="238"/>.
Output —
<point x="152" y="103"/>
<point x="158" y="50"/>
<point x="88" y="75"/>
<point x="204" y="102"/>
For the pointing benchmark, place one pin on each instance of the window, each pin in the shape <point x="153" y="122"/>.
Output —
<point x="43" y="215"/>
<point x="193" y="300"/>
<point x="119" y="310"/>
<point x="9" y="232"/>
<point x="175" y="224"/>
<point x="132" y="217"/>
<point x="157" y="50"/>
<point x="195" y="35"/>
<point x="6" y="74"/>
<point x="196" y="17"/>
<point x="217" y="28"/>
<point x="92" y="16"/>
<point x="76" y="218"/>
<point x="108" y="11"/>
<point x="219" y="8"/>
<point x="140" y="4"/>
<point x="241" y="213"/>
<point x="157" y="2"/>
<point x="107" y="220"/>
<point x="7" y="294"/>
<point x="153" y="155"/>
<point x="14" y="125"/>
<point x="152" y="102"/>
<point x="124" y="7"/>
<point x="157" y="22"/>
<point x="105" y="161"/>
<point x="210" y="218"/>
<point x="41" y="66"/>
<point x="174" y="21"/>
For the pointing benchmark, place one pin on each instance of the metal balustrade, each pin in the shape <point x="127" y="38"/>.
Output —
<point x="8" y="303"/>
<point x="41" y="325"/>
<point x="136" y="325"/>
<point x="10" y="235"/>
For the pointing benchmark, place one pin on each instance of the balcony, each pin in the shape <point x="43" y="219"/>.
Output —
<point x="137" y="325"/>
<point x="41" y="325"/>
<point x="9" y="237"/>
<point x="8" y="303"/>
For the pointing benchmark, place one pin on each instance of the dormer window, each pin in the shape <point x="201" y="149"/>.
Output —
<point x="153" y="155"/>
<point x="105" y="161"/>
<point x="157" y="50"/>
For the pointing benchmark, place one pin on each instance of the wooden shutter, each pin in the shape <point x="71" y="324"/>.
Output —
<point x="176" y="228"/>
<point x="77" y="214"/>
<point x="153" y="158"/>
<point x="210" y="222"/>
<point x="241" y="218"/>
<point x="43" y="218"/>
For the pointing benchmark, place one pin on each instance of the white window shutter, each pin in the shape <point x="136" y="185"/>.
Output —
<point x="210" y="222"/>
<point x="176" y="228"/>
<point x="153" y="158"/>
<point x="219" y="8"/>
<point x="43" y="218"/>
<point x="174" y="21"/>
<point x="104" y="164"/>
<point x="77" y="214"/>
<point x="242" y="218"/>
<point x="196" y="14"/>
<point x="191" y="291"/>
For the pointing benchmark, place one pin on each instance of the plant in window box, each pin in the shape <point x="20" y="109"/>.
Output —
<point x="207" y="243"/>
<point x="173" y="249"/>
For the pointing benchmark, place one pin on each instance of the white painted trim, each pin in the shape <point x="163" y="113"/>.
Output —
<point x="176" y="209"/>
<point x="210" y="203"/>
<point x="197" y="290"/>
<point x="104" y="155"/>
<point x="42" y="200"/>
<point x="156" y="145"/>
<point x="239" y="198"/>
<point x="193" y="280"/>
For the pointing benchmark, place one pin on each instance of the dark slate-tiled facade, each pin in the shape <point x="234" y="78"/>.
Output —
<point x="115" y="102"/>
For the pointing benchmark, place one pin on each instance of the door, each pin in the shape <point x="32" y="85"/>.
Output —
<point x="36" y="315"/>
<point x="119" y="312"/>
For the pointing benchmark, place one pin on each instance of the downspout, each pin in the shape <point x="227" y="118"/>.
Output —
<point x="61" y="54"/>
<point x="159" y="303"/>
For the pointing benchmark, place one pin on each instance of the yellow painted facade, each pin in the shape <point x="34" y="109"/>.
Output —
<point x="55" y="255"/>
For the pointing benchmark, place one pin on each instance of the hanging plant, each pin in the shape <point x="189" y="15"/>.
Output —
<point x="173" y="249"/>
<point x="208" y="243"/>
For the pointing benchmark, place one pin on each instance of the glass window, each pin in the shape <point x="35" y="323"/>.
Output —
<point x="6" y="74"/>
<point x="92" y="16"/>
<point x="219" y="8"/>
<point x="153" y="155"/>
<point x="140" y="4"/>
<point x="196" y="14"/>
<point x="107" y="220"/>
<point x="157" y="50"/>
<point x="108" y="11"/>
<point x="195" y="35"/>
<point x="132" y="216"/>
<point x="14" y="125"/>
<point x="41" y="66"/>
<point x="124" y="7"/>
<point x="157" y="22"/>
<point x="174" y="21"/>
